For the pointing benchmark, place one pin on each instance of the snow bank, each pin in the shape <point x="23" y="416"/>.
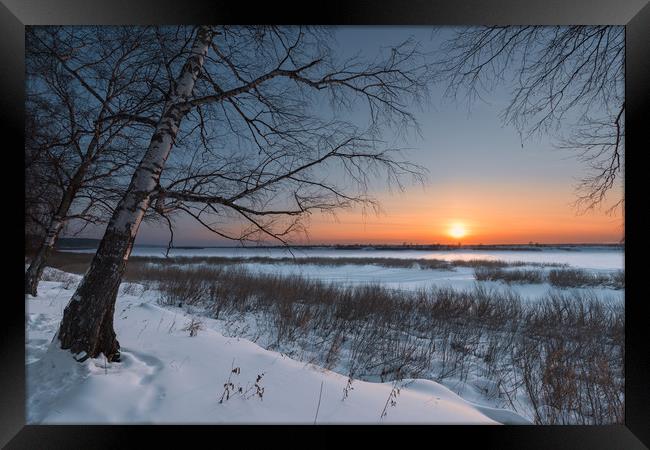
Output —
<point x="168" y="377"/>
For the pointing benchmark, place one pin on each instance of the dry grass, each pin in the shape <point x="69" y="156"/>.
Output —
<point x="583" y="278"/>
<point x="509" y="276"/>
<point x="67" y="279"/>
<point x="561" y="278"/>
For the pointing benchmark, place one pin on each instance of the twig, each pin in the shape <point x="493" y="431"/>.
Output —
<point x="319" y="397"/>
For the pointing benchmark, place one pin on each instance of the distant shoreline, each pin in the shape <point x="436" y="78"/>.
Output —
<point x="78" y="244"/>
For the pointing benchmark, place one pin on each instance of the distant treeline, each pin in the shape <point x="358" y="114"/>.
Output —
<point x="513" y="247"/>
<point x="85" y="243"/>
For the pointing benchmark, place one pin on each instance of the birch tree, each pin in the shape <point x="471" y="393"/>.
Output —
<point x="244" y="133"/>
<point x="88" y="92"/>
<point x="41" y="196"/>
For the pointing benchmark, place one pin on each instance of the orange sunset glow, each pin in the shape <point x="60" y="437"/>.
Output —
<point x="485" y="215"/>
<point x="479" y="213"/>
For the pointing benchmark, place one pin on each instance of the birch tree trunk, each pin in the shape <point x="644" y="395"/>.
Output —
<point x="35" y="270"/>
<point x="36" y="267"/>
<point x="87" y="324"/>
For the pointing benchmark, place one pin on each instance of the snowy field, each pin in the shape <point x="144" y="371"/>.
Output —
<point x="166" y="376"/>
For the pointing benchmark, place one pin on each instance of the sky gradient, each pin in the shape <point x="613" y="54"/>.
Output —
<point x="480" y="176"/>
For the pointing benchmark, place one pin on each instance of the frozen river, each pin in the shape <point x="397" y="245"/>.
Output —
<point x="587" y="258"/>
<point x="602" y="259"/>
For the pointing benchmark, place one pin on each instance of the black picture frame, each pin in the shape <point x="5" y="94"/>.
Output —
<point x="634" y="14"/>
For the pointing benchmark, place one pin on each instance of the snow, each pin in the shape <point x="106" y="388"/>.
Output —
<point x="168" y="377"/>
<point x="586" y="258"/>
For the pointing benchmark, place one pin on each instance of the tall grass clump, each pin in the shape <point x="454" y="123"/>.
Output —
<point x="560" y="278"/>
<point x="509" y="276"/>
<point x="572" y="278"/>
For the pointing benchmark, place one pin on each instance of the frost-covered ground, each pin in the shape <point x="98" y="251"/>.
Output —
<point x="166" y="376"/>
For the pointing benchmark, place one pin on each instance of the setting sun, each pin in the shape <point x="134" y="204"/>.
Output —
<point x="457" y="231"/>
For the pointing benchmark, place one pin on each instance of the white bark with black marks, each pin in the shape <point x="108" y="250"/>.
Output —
<point x="87" y="324"/>
<point x="37" y="265"/>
